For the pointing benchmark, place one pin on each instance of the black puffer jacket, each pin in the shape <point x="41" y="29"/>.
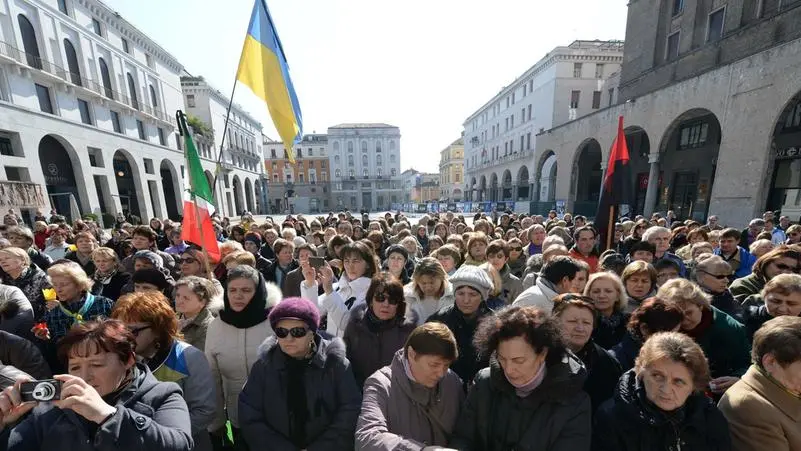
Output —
<point x="754" y="316"/>
<point x="333" y="400"/>
<point x="556" y="416"/>
<point x="603" y="372"/>
<point x="629" y="422"/>
<point x="151" y="415"/>
<point x="19" y="356"/>
<point x="469" y="362"/>
<point x="371" y="347"/>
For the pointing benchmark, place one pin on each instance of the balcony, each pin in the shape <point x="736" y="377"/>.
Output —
<point x="15" y="56"/>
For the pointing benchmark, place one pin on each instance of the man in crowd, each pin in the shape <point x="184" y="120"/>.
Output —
<point x="740" y="260"/>
<point x="556" y="277"/>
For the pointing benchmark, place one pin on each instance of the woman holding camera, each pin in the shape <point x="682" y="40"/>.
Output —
<point x="107" y="401"/>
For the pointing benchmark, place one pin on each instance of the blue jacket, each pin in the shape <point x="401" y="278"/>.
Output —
<point x="746" y="262"/>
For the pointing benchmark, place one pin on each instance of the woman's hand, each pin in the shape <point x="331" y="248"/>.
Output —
<point x="83" y="399"/>
<point x="309" y="274"/>
<point x="51" y="305"/>
<point x="11" y="406"/>
<point x="337" y="263"/>
<point x="326" y="277"/>
<point x="721" y="384"/>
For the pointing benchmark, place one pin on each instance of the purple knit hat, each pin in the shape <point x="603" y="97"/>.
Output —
<point x="295" y="308"/>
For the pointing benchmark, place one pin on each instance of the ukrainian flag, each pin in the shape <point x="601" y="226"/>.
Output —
<point x="263" y="68"/>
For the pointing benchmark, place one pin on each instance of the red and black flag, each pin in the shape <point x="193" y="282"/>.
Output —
<point x="616" y="189"/>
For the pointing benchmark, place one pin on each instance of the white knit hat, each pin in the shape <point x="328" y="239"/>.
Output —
<point x="473" y="277"/>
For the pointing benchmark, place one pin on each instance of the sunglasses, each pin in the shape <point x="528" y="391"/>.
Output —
<point x="718" y="276"/>
<point x="137" y="330"/>
<point x="296" y="332"/>
<point x="381" y="298"/>
<point x="517" y="249"/>
<point x="783" y="267"/>
<point x="188" y="260"/>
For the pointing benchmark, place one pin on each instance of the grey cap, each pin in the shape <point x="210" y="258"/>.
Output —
<point x="473" y="277"/>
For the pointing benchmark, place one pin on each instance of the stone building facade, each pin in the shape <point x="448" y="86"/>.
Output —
<point x="451" y="172"/>
<point x="304" y="186"/>
<point x="711" y="97"/>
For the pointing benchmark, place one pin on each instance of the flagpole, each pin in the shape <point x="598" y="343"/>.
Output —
<point x="222" y="143"/>
<point x="184" y="129"/>
<point x="610" y="231"/>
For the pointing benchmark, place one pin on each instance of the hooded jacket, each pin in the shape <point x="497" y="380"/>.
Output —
<point x="398" y="414"/>
<point x="556" y="416"/>
<point x="511" y="285"/>
<point x="231" y="353"/>
<point x="151" y="415"/>
<point x="369" y="348"/>
<point x="629" y="422"/>
<point x="332" y="398"/>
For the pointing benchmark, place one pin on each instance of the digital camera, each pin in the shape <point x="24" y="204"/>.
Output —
<point x="40" y="391"/>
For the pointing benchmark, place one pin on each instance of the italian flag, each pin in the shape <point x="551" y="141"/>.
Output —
<point x="198" y="204"/>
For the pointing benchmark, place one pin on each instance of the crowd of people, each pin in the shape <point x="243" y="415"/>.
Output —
<point x="345" y="332"/>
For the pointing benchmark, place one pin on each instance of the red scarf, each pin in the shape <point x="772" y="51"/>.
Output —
<point x="706" y="322"/>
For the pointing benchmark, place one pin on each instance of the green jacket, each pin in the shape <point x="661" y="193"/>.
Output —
<point x="746" y="286"/>
<point x="726" y="346"/>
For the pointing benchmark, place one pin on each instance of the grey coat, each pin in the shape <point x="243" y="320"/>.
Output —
<point x="417" y="416"/>
<point x="332" y="397"/>
<point x="150" y="416"/>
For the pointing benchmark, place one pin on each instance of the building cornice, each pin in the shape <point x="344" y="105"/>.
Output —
<point x="114" y="20"/>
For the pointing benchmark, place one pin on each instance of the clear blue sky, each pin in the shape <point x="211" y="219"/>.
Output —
<point x="424" y="66"/>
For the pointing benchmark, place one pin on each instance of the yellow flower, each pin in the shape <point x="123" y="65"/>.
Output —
<point x="73" y="247"/>
<point x="49" y="294"/>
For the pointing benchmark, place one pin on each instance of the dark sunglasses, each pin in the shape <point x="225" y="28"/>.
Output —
<point x="381" y="298"/>
<point x="296" y="332"/>
<point x="783" y="267"/>
<point x="718" y="276"/>
<point x="188" y="260"/>
<point x="517" y="249"/>
<point x="137" y="330"/>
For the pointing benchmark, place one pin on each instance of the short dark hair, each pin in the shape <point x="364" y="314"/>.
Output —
<point x="585" y="228"/>
<point x="497" y="246"/>
<point x="336" y="240"/>
<point x="642" y="245"/>
<point x="656" y="315"/>
<point x="666" y="263"/>
<point x="100" y="336"/>
<point x="306" y="246"/>
<point x="730" y="233"/>
<point x="534" y="325"/>
<point x="433" y="338"/>
<point x="560" y="267"/>
<point x="388" y="285"/>
<point x="145" y="231"/>
<point x="781" y="337"/>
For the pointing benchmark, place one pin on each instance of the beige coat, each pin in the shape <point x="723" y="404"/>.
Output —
<point x="231" y="353"/>
<point x="761" y="414"/>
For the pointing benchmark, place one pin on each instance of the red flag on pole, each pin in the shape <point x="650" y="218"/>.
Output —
<point x="615" y="190"/>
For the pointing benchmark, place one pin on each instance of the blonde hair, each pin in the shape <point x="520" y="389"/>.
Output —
<point x="621" y="303"/>
<point x="784" y="284"/>
<point x="683" y="292"/>
<point x="410" y="239"/>
<point x="758" y="243"/>
<point x="678" y="348"/>
<point x="240" y="258"/>
<point x="17" y="252"/>
<point x="105" y="252"/>
<point x="429" y="266"/>
<point x="73" y="271"/>
<point x="495" y="276"/>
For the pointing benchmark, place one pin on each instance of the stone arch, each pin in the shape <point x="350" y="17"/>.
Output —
<point x="507" y="191"/>
<point x="236" y="186"/>
<point x="129" y="184"/>
<point x="249" y="195"/>
<point x="639" y="145"/>
<point x="523" y="192"/>
<point x="586" y="175"/>
<point x="688" y="153"/>
<point x="482" y="188"/>
<point x="547" y="173"/>
<point x="63" y="175"/>
<point x="171" y="183"/>
<point x="784" y="192"/>
<point x="493" y="188"/>
<point x="257" y="192"/>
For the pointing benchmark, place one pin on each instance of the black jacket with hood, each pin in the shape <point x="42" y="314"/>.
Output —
<point x="629" y="422"/>
<point x="556" y="416"/>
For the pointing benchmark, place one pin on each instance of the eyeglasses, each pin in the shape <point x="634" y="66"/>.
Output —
<point x="717" y="276"/>
<point x="783" y="267"/>
<point x="517" y="249"/>
<point x="137" y="330"/>
<point x="381" y="298"/>
<point x="296" y="332"/>
<point x="188" y="260"/>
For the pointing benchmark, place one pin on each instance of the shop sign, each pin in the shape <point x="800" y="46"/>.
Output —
<point x="787" y="153"/>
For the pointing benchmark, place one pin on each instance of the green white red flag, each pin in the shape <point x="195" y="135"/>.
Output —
<point x="197" y="227"/>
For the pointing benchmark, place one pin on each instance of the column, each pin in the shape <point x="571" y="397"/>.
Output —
<point x="653" y="185"/>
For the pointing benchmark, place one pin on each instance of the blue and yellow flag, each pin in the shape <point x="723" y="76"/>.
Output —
<point x="263" y="68"/>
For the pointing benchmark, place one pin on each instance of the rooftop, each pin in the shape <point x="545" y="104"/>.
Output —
<point x="362" y="125"/>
